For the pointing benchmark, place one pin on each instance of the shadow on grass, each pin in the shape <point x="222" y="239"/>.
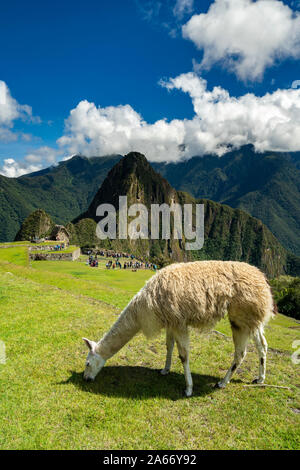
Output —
<point x="142" y="383"/>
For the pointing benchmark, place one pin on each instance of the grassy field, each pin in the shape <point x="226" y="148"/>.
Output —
<point x="28" y="243"/>
<point x="15" y="254"/>
<point x="46" y="308"/>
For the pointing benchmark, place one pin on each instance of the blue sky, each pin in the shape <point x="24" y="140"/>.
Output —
<point x="109" y="54"/>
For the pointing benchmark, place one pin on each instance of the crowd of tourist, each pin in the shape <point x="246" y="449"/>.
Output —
<point x="92" y="261"/>
<point x="115" y="263"/>
<point x="114" y="254"/>
<point x="133" y="265"/>
<point x="58" y="247"/>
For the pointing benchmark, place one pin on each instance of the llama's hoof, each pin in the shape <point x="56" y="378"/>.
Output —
<point x="165" y="371"/>
<point x="219" y="385"/>
<point x="258" y="381"/>
<point x="187" y="393"/>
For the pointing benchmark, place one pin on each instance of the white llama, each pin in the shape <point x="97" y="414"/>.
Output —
<point x="196" y="294"/>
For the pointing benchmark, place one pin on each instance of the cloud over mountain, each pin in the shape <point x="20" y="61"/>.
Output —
<point x="270" y="122"/>
<point x="12" y="169"/>
<point x="93" y="130"/>
<point x="220" y="122"/>
<point x="34" y="161"/>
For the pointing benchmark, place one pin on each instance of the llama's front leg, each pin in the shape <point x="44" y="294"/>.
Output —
<point x="182" y="340"/>
<point x="240" y="339"/>
<point x="262" y="347"/>
<point x="170" y="347"/>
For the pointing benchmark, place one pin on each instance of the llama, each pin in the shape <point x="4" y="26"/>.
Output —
<point x="195" y="294"/>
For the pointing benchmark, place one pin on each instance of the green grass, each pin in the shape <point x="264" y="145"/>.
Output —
<point x="15" y="254"/>
<point x="119" y="278"/>
<point x="47" y="307"/>
<point x="79" y="279"/>
<point x="28" y="243"/>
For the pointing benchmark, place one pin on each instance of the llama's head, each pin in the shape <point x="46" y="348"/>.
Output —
<point x="94" y="362"/>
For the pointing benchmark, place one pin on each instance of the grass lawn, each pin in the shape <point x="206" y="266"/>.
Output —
<point x="15" y="254"/>
<point x="28" y="243"/>
<point x="45" y="310"/>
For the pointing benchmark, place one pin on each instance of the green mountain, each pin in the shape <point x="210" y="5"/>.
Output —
<point x="37" y="225"/>
<point x="266" y="185"/>
<point x="63" y="191"/>
<point x="230" y="234"/>
<point x="133" y="177"/>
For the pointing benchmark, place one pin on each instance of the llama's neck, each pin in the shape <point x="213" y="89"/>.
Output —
<point x="120" y="333"/>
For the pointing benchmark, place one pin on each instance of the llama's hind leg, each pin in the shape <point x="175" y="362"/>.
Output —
<point x="182" y="340"/>
<point x="170" y="346"/>
<point x="262" y="347"/>
<point x="240" y="339"/>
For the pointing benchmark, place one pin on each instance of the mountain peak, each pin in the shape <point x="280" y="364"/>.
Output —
<point x="134" y="162"/>
<point x="134" y="177"/>
<point x="37" y="224"/>
<point x="135" y="156"/>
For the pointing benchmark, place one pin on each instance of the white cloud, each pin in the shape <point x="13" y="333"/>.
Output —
<point x="245" y="36"/>
<point x="34" y="161"/>
<point x="13" y="169"/>
<point x="270" y="122"/>
<point x="43" y="155"/>
<point x="99" y="131"/>
<point x="10" y="111"/>
<point x="183" y="7"/>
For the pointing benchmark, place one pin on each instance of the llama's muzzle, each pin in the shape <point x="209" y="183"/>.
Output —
<point x="88" y="379"/>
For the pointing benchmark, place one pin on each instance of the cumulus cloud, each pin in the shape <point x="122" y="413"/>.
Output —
<point x="270" y="122"/>
<point x="10" y="111"/>
<point x="220" y="122"/>
<point x="92" y="130"/>
<point x="245" y="36"/>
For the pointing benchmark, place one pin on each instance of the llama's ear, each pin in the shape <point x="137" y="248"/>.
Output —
<point x="90" y="344"/>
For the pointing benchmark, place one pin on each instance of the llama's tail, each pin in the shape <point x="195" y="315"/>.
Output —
<point x="274" y="305"/>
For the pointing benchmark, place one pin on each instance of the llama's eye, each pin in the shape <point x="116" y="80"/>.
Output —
<point x="87" y="364"/>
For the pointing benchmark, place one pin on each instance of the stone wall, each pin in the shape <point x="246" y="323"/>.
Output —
<point x="55" y="256"/>
<point x="40" y="247"/>
<point x="76" y="253"/>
